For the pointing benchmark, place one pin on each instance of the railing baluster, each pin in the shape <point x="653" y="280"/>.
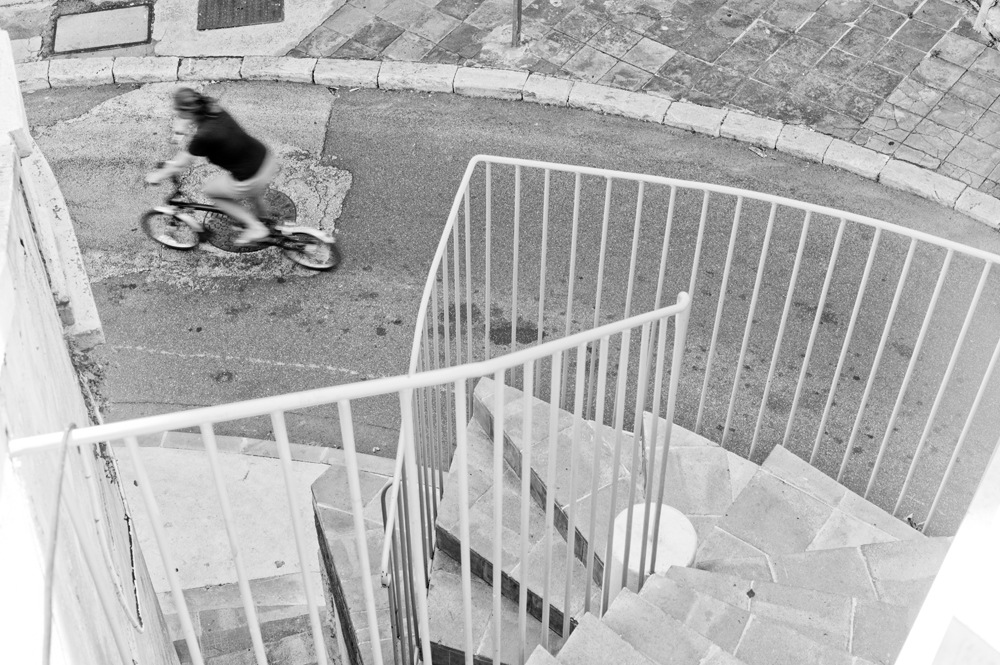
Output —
<point x="544" y="260"/>
<point x="642" y="386"/>
<point x="516" y="264"/>
<point x="699" y="241"/>
<point x="814" y="331"/>
<point x="649" y="471"/>
<point x="358" y="513"/>
<point x="952" y="361"/>
<point x="599" y="429"/>
<point x="667" y="230"/>
<point x="418" y="569"/>
<point x="285" y="455"/>
<point x="776" y="353"/>
<point x="634" y="258"/>
<point x="961" y="437"/>
<point x="468" y="274"/>
<point x="917" y="347"/>
<point x="499" y="383"/>
<point x="526" y="503"/>
<point x="550" y="483"/>
<point x="718" y="314"/>
<point x="845" y="348"/>
<point x="600" y="268"/>
<point x="488" y="253"/>
<point x="681" y="321"/>
<point x="883" y="341"/>
<point x="762" y="262"/>
<point x="616" y="460"/>
<point x="571" y="507"/>
<point x="457" y="272"/>
<point x="571" y="278"/>
<point x="253" y="623"/>
<point x="156" y="521"/>
<point x="462" y="467"/>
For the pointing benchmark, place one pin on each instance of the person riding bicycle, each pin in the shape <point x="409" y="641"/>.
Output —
<point x="219" y="138"/>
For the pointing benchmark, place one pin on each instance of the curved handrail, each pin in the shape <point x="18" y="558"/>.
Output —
<point x="331" y="394"/>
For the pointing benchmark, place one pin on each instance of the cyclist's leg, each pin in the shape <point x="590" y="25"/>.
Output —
<point x="258" y="184"/>
<point x="226" y="192"/>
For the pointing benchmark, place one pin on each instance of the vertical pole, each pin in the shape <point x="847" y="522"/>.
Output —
<point x="515" y="32"/>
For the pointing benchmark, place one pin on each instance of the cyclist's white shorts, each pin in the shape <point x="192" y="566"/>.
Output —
<point x="225" y="186"/>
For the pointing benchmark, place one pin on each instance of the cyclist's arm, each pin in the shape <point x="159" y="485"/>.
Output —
<point x="181" y="161"/>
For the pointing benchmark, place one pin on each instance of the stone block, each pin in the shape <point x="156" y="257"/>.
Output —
<point x="209" y="69"/>
<point x="65" y="72"/>
<point x="751" y="129"/>
<point x="803" y="142"/>
<point x="276" y="68"/>
<point x="618" y="102"/>
<point x="131" y="69"/>
<point x="879" y="631"/>
<point x="790" y="468"/>
<point x="911" y="178"/>
<point x="543" y="89"/>
<point x="594" y="641"/>
<point x="33" y="75"/>
<point x="767" y="641"/>
<point x="855" y="159"/>
<point x="842" y="570"/>
<point x="493" y="83"/>
<point x="417" y="76"/>
<point x="652" y="633"/>
<point x="820" y="616"/>
<point x="903" y="571"/>
<point x="336" y="73"/>
<point x="541" y="657"/>
<point x="980" y="207"/>
<point x="695" y="118"/>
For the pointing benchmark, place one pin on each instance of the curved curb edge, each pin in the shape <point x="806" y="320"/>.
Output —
<point x="796" y="140"/>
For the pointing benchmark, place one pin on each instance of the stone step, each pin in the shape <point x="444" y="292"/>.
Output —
<point x="835" y="620"/>
<point x="592" y="447"/>
<point x="790" y="507"/>
<point x="702" y="478"/>
<point x="447" y="618"/>
<point x="541" y="657"/>
<point x="481" y="541"/>
<point x="659" y="637"/>
<point x="750" y="637"/>
<point x="595" y="643"/>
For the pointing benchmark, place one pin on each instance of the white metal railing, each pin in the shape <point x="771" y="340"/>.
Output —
<point x="343" y="396"/>
<point x="861" y="345"/>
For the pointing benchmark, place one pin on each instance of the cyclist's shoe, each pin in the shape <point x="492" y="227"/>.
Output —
<point x="252" y="235"/>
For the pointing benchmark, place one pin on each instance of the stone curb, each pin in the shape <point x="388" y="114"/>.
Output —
<point x="795" y="140"/>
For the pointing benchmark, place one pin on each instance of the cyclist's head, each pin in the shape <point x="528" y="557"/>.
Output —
<point x="194" y="103"/>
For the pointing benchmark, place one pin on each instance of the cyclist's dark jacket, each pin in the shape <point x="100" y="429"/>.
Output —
<point x="223" y="142"/>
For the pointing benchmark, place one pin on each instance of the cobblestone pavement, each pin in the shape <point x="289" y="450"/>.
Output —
<point x="907" y="78"/>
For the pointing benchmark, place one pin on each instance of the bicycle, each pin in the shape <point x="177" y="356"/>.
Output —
<point x="176" y="225"/>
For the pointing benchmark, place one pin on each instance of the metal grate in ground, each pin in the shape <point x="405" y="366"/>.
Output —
<point x="213" y="14"/>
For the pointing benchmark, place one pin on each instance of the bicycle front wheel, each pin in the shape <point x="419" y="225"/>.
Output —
<point x="311" y="252"/>
<point x="169" y="231"/>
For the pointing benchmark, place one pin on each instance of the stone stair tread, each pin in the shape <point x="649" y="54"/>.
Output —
<point x="447" y="619"/>
<point x="789" y="507"/>
<point x="481" y="493"/>
<point x="899" y="573"/>
<point x="595" y="643"/>
<point x="571" y="445"/>
<point x="541" y="657"/>
<point x="754" y="639"/>
<point x="828" y="618"/>
<point x="659" y="637"/>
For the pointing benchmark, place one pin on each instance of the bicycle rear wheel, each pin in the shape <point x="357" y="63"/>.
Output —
<point x="311" y="252"/>
<point x="168" y="230"/>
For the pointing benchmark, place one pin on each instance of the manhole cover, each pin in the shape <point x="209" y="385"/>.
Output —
<point x="224" y="234"/>
<point x="214" y="14"/>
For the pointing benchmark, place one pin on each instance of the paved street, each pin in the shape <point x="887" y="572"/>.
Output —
<point x="191" y="329"/>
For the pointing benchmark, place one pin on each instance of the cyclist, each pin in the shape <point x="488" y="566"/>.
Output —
<point x="250" y="166"/>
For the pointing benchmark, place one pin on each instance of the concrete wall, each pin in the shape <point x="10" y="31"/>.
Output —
<point x="102" y="591"/>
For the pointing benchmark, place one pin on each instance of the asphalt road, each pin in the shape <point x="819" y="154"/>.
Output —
<point x="380" y="169"/>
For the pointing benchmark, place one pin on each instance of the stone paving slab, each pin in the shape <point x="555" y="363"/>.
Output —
<point x="103" y="28"/>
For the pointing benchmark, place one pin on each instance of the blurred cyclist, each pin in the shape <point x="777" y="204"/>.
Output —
<point x="249" y="164"/>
